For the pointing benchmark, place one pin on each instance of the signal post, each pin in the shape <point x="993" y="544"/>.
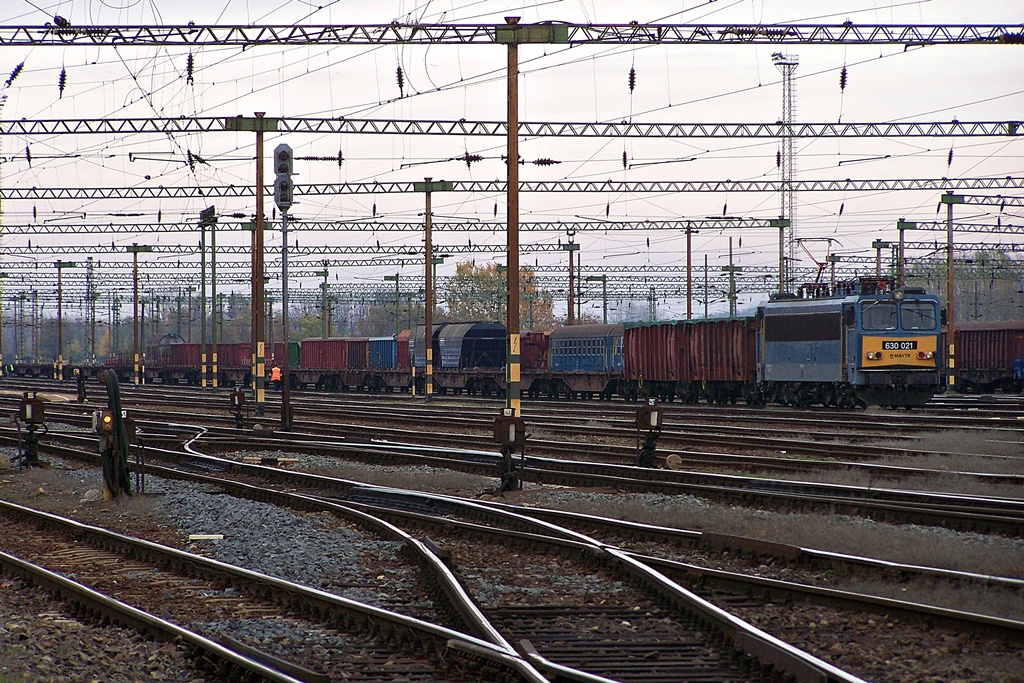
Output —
<point x="284" y="169"/>
<point x="259" y="125"/>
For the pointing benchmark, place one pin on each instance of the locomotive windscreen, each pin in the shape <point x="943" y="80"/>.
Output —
<point x="797" y="327"/>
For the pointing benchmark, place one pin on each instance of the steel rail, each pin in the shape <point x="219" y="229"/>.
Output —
<point x="792" y="661"/>
<point x="826" y="596"/>
<point x="746" y="638"/>
<point x="136" y="619"/>
<point x="1004" y="515"/>
<point x="553" y="532"/>
<point x="283" y="590"/>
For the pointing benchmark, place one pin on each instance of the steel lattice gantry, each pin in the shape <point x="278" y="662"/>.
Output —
<point x="499" y="187"/>
<point x="846" y="33"/>
<point x="294" y="251"/>
<point x="462" y="127"/>
<point x="372" y="225"/>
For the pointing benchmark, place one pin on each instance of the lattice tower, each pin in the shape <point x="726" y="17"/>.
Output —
<point x="787" y="65"/>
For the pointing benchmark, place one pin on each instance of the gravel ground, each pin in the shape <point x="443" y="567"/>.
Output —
<point x="315" y="550"/>
<point x="41" y="640"/>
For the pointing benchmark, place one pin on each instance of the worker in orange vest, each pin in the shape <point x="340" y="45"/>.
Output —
<point x="275" y="378"/>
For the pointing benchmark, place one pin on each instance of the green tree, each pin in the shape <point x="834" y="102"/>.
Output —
<point x="478" y="293"/>
<point x="307" y="325"/>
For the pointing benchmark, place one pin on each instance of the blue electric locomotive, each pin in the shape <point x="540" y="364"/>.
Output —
<point x="875" y="346"/>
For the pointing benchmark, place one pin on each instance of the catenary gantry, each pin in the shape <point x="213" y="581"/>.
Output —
<point x="499" y="187"/>
<point x="462" y="127"/>
<point x="846" y="33"/>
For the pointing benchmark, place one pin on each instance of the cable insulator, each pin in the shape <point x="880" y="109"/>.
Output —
<point x="35" y="216"/>
<point x="191" y="160"/>
<point x="495" y="209"/>
<point x="28" y="156"/>
<point x="949" y="159"/>
<point x="725" y="209"/>
<point x="544" y="161"/>
<point x="341" y="159"/>
<point x="375" y="208"/>
<point x="607" y="209"/>
<point x="159" y="216"/>
<point x="238" y="215"/>
<point x="778" y="159"/>
<point x="190" y="66"/>
<point x="401" y="82"/>
<point x="61" y="22"/>
<point x="62" y="82"/>
<point x="632" y="79"/>
<point x="469" y="158"/>
<point x="842" y="79"/>
<point x="625" y="159"/>
<point x="14" y="74"/>
<point x="841" y="207"/>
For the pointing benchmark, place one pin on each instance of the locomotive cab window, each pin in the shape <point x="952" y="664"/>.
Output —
<point x="879" y="315"/>
<point x="917" y="315"/>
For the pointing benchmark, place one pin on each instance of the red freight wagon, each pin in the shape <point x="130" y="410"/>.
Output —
<point x="331" y="354"/>
<point x="119" y="359"/>
<point x="534" y="351"/>
<point x="312" y="352"/>
<point x="358" y="353"/>
<point x="646" y="356"/>
<point x="714" y="358"/>
<point x="719" y="350"/>
<point x="233" y="355"/>
<point x="989" y="355"/>
<point x="403" y="349"/>
<point x="185" y="356"/>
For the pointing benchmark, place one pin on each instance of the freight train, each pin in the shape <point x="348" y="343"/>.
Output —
<point x="864" y="344"/>
<point x="989" y="356"/>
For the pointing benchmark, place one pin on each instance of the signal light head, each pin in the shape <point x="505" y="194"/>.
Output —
<point x="284" y="160"/>
<point x="283" y="192"/>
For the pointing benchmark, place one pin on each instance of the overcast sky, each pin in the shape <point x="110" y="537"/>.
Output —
<point x="721" y="83"/>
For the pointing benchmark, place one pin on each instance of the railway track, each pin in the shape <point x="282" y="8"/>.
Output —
<point x="719" y="647"/>
<point x="549" y="624"/>
<point x="984" y="513"/>
<point x="213" y="658"/>
<point x="625" y="534"/>
<point x="944" y="412"/>
<point x="363" y="641"/>
<point x="758" y="450"/>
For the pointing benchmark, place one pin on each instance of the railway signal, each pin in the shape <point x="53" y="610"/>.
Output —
<point x="510" y="432"/>
<point x="648" y="419"/>
<point x="32" y="414"/>
<point x="238" y="405"/>
<point x="284" y="168"/>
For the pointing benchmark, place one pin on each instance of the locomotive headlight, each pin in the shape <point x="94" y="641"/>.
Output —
<point x="874" y="355"/>
<point x="925" y="355"/>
